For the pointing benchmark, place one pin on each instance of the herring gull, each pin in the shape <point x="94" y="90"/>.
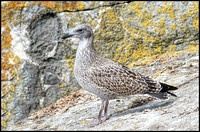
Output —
<point x="106" y="78"/>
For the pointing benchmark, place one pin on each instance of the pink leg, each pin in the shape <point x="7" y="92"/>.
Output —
<point x="105" y="110"/>
<point x="104" y="105"/>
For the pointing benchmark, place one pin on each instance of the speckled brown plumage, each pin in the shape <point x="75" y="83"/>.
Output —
<point x="106" y="78"/>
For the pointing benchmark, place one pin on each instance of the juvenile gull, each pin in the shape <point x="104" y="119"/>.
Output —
<point x="106" y="78"/>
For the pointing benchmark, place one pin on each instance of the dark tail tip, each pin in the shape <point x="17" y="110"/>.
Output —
<point x="166" y="88"/>
<point x="171" y="94"/>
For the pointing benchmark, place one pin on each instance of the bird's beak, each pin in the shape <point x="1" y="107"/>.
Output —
<point x="67" y="35"/>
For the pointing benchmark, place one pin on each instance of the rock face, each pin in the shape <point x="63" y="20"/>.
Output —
<point x="138" y="112"/>
<point x="37" y="67"/>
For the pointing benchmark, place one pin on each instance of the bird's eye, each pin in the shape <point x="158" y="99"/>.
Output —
<point x="79" y="30"/>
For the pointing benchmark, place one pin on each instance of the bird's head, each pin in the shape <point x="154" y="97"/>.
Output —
<point x="82" y="31"/>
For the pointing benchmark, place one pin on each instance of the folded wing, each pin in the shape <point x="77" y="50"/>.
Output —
<point x="120" y="79"/>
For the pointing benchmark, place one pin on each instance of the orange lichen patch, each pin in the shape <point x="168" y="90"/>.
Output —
<point x="4" y="90"/>
<point x="9" y="61"/>
<point x="7" y="16"/>
<point x="16" y="59"/>
<point x="6" y="54"/>
<point x="80" y="5"/>
<point x="62" y="5"/>
<point x="8" y="12"/>
<point x="5" y="39"/>
<point x="16" y="5"/>
<point x="55" y="5"/>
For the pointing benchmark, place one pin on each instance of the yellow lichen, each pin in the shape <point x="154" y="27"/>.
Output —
<point x="173" y="27"/>
<point x="3" y="123"/>
<point x="127" y="52"/>
<point x="84" y="122"/>
<point x="61" y="85"/>
<point x="70" y="64"/>
<point x="12" y="88"/>
<point x="3" y="106"/>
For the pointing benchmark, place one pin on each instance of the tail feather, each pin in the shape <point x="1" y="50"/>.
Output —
<point x="163" y="94"/>
<point x="166" y="88"/>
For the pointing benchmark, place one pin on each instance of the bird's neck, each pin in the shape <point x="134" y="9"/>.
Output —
<point x="86" y="51"/>
<point x="85" y="43"/>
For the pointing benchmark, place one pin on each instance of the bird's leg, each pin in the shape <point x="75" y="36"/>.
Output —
<point x="106" y="102"/>
<point x="99" y="116"/>
<point x="100" y="112"/>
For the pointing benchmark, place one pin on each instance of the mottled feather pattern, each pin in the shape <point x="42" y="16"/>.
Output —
<point x="107" y="74"/>
<point x="116" y="78"/>
<point x="106" y="78"/>
<point x="153" y="85"/>
<point x="122" y="80"/>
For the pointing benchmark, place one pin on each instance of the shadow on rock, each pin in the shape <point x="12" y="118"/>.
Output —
<point x="151" y="105"/>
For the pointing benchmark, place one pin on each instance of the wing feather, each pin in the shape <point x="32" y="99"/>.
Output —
<point x="117" y="78"/>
